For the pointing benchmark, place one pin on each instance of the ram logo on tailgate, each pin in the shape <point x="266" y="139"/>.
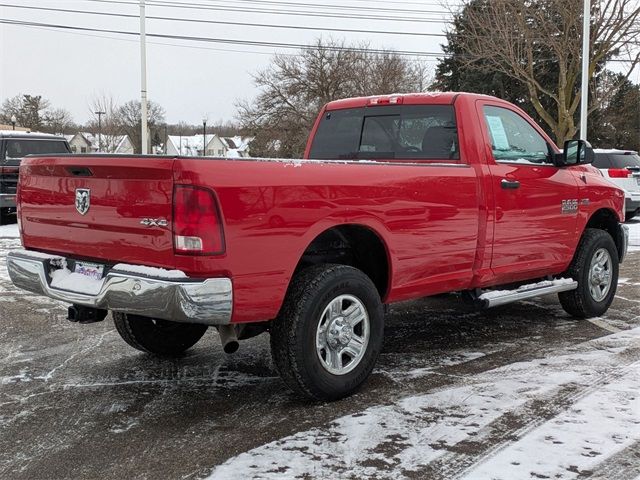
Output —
<point x="83" y="200"/>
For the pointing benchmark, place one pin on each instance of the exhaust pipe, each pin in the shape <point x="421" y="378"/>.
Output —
<point x="229" y="338"/>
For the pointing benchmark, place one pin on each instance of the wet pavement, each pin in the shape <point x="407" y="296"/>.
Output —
<point x="77" y="402"/>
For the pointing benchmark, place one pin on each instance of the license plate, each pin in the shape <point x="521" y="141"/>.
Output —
<point x="91" y="270"/>
<point x="638" y="180"/>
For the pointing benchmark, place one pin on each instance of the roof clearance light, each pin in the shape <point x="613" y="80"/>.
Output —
<point x="386" y="101"/>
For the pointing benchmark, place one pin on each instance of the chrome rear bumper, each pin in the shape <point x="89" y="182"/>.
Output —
<point x="206" y="301"/>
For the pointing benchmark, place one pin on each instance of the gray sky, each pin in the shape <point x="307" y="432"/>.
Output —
<point x="190" y="80"/>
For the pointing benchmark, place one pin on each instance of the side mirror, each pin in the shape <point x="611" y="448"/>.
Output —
<point x="576" y="152"/>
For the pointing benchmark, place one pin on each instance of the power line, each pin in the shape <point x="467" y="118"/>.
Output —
<point x="297" y="46"/>
<point x="177" y="45"/>
<point x="317" y="5"/>
<point x="296" y="13"/>
<point x="222" y="22"/>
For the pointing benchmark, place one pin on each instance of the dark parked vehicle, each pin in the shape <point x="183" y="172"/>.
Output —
<point x="13" y="147"/>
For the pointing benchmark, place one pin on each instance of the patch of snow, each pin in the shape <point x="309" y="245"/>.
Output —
<point x="634" y="235"/>
<point x="554" y="416"/>
<point x="64" y="279"/>
<point x="150" y="271"/>
<point x="594" y="428"/>
<point x="9" y="231"/>
<point x="35" y="254"/>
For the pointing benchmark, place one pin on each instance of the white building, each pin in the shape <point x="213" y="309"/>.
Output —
<point x="237" y="147"/>
<point x="86" y="142"/>
<point x="192" y="146"/>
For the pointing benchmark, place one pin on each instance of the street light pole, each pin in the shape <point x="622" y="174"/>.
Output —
<point x="99" y="113"/>
<point x="143" y="77"/>
<point x="13" y="122"/>
<point x="204" y="137"/>
<point x="584" y="99"/>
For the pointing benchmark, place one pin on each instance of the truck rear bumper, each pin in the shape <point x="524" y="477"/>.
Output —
<point x="206" y="301"/>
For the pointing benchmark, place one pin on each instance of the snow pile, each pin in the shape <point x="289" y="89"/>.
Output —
<point x="150" y="271"/>
<point x="64" y="279"/>
<point x="552" y="417"/>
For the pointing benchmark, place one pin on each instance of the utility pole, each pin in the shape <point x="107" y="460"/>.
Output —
<point x="99" y="113"/>
<point x="204" y="137"/>
<point x="584" y="99"/>
<point x="166" y="139"/>
<point x="143" y="76"/>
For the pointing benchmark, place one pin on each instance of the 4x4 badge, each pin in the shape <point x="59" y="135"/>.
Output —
<point x="83" y="200"/>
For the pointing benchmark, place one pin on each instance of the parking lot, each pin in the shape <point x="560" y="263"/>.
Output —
<point x="521" y="391"/>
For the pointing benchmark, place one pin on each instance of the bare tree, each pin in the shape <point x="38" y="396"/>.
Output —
<point x="528" y="40"/>
<point x="294" y="88"/>
<point x="108" y="125"/>
<point x="128" y="118"/>
<point x="57" y="120"/>
<point x="29" y="111"/>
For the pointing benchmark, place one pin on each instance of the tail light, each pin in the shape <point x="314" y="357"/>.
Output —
<point x="619" y="173"/>
<point x="197" y="224"/>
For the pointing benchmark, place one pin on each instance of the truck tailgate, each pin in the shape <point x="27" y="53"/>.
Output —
<point x="121" y="192"/>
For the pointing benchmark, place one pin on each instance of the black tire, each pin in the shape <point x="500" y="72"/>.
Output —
<point x="160" y="337"/>
<point x="580" y="302"/>
<point x="293" y="334"/>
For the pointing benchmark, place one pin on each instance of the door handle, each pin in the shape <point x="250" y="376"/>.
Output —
<point x="509" y="185"/>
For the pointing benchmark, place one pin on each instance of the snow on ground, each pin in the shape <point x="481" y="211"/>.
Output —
<point x="634" y="234"/>
<point x="9" y="231"/>
<point x="546" y="418"/>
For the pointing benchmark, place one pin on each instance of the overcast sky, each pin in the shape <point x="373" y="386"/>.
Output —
<point x="189" y="79"/>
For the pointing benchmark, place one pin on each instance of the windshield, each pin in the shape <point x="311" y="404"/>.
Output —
<point x="18" y="148"/>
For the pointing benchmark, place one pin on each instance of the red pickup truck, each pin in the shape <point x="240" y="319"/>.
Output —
<point x="397" y="197"/>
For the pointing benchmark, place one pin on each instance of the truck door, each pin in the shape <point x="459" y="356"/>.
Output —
<point x="535" y="203"/>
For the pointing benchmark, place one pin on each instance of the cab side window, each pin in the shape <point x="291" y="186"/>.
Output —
<point x="513" y="139"/>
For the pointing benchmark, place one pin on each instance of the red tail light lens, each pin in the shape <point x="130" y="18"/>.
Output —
<point x="197" y="225"/>
<point x="619" y="173"/>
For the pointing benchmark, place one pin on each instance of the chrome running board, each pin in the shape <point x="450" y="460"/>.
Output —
<point x="493" y="298"/>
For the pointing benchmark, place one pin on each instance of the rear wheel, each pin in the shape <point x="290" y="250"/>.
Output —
<point x="329" y="332"/>
<point x="595" y="268"/>
<point x="160" y="337"/>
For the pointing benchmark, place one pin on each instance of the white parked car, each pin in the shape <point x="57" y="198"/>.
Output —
<point x="622" y="167"/>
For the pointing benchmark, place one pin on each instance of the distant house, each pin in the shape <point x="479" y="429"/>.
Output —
<point x="236" y="147"/>
<point x="192" y="146"/>
<point x="86" y="142"/>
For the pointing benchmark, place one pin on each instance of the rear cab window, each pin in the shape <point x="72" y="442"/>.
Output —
<point x="411" y="132"/>
<point x="16" y="148"/>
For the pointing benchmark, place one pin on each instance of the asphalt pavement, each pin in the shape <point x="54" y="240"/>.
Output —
<point x="77" y="402"/>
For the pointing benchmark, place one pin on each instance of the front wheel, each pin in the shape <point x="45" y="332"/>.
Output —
<point x="595" y="268"/>
<point x="329" y="332"/>
<point x="160" y="337"/>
